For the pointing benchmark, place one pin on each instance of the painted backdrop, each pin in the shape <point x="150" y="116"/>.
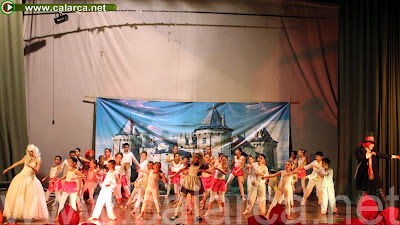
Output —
<point x="157" y="126"/>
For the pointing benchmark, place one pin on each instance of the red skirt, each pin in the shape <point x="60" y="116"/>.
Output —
<point x="207" y="182"/>
<point x="124" y="182"/>
<point x="302" y="174"/>
<point x="238" y="174"/>
<point x="70" y="187"/>
<point x="219" y="185"/>
<point x="56" y="185"/>
<point x="176" y="179"/>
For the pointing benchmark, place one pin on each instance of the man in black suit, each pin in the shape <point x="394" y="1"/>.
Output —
<point x="367" y="174"/>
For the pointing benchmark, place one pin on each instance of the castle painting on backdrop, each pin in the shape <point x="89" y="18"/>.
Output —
<point x="157" y="126"/>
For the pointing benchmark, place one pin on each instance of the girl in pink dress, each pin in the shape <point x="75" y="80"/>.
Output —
<point x="25" y="197"/>
<point x="72" y="186"/>
<point x="55" y="184"/>
<point x="90" y="180"/>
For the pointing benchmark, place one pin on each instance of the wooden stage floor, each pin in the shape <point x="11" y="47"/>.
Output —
<point x="310" y="214"/>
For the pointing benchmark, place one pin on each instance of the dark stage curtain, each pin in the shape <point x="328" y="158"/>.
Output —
<point x="13" y="120"/>
<point x="369" y="86"/>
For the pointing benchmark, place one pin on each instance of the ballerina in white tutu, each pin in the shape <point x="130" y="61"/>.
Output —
<point x="25" y="198"/>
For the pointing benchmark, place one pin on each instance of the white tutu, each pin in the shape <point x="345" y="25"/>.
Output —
<point x="25" y="197"/>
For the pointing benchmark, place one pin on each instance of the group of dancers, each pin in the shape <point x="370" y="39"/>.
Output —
<point x="202" y="174"/>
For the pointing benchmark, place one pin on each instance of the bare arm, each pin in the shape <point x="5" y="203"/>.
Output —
<point x="48" y="175"/>
<point x="225" y="171"/>
<point x="163" y="178"/>
<point x="272" y="175"/>
<point x="80" y="175"/>
<point x="169" y="159"/>
<point x="14" y="165"/>
<point x="145" y="171"/>
<point x="84" y="159"/>
<point x="180" y="171"/>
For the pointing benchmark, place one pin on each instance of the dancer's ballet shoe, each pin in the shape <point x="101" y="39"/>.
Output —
<point x="289" y="217"/>
<point x="113" y="218"/>
<point x="174" y="217"/>
<point x="92" y="218"/>
<point x="245" y="213"/>
<point x="199" y="218"/>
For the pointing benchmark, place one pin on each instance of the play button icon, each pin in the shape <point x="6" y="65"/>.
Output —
<point x="7" y="7"/>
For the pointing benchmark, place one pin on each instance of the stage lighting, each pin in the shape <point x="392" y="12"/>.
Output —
<point x="61" y="18"/>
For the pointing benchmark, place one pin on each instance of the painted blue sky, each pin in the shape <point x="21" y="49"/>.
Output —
<point x="167" y="119"/>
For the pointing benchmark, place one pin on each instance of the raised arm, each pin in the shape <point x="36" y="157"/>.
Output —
<point x="271" y="175"/>
<point x="145" y="171"/>
<point x="361" y="154"/>
<point x="14" y="165"/>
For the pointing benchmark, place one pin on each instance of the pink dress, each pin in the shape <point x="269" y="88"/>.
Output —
<point x="55" y="183"/>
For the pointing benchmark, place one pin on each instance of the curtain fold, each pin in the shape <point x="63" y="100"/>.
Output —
<point x="369" y="85"/>
<point x="13" y="119"/>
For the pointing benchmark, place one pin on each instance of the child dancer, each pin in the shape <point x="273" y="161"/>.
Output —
<point x="152" y="189"/>
<point x="328" y="188"/>
<point x="170" y="159"/>
<point x="209" y="152"/>
<point x="90" y="180"/>
<point x="237" y="170"/>
<point x="55" y="184"/>
<point x="284" y="187"/>
<point x="101" y="172"/>
<point x="176" y="165"/>
<point x="138" y="182"/>
<point x="119" y="172"/>
<point x="272" y="185"/>
<point x="105" y="195"/>
<point x="107" y="156"/>
<point x="293" y="158"/>
<point x="70" y="186"/>
<point x="206" y="179"/>
<point x="144" y="177"/>
<point x="65" y="164"/>
<point x="25" y="197"/>
<point x="246" y="174"/>
<point x="259" y="187"/>
<point x="218" y="186"/>
<point x="314" y="178"/>
<point x="192" y="183"/>
<point x="302" y="162"/>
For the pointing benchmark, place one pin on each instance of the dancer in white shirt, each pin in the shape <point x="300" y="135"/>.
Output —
<point x="314" y="180"/>
<point x="328" y="188"/>
<point x="259" y="188"/>
<point x="105" y="195"/>
<point x="55" y="184"/>
<point x="127" y="160"/>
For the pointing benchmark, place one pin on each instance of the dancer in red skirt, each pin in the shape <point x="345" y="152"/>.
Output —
<point x="239" y="160"/>
<point x="55" y="184"/>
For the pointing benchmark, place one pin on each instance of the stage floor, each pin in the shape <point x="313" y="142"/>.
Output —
<point x="310" y="214"/>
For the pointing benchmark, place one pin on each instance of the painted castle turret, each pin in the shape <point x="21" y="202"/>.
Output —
<point x="213" y="133"/>
<point x="128" y="134"/>
<point x="260" y="143"/>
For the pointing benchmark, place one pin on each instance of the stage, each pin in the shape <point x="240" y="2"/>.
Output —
<point x="309" y="214"/>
